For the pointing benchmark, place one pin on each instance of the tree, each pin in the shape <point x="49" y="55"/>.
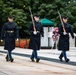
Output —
<point x="20" y="17"/>
<point x="45" y="8"/>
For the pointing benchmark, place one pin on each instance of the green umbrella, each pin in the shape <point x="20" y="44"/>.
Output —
<point x="46" y="22"/>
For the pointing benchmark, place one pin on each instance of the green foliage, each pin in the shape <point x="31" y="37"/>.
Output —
<point x="45" y="8"/>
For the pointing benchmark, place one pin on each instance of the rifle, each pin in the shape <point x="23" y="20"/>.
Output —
<point x="61" y="22"/>
<point x="32" y="19"/>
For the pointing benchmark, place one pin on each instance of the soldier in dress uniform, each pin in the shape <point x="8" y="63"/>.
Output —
<point x="35" y="37"/>
<point x="9" y="33"/>
<point x="63" y="44"/>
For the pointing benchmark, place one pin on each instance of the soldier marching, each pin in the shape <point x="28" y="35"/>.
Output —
<point x="9" y="33"/>
<point x="63" y="43"/>
<point x="35" y="38"/>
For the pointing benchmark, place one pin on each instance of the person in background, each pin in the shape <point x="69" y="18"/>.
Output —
<point x="9" y="33"/>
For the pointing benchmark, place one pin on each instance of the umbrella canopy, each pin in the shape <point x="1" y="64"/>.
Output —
<point x="46" y="22"/>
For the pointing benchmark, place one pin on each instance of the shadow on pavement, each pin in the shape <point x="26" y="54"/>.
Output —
<point x="43" y="58"/>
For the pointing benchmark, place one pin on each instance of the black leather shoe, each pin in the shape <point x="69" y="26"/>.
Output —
<point x="67" y="60"/>
<point x="61" y="59"/>
<point x="61" y="56"/>
<point x="7" y="58"/>
<point x="38" y="60"/>
<point x="12" y="60"/>
<point x="32" y="59"/>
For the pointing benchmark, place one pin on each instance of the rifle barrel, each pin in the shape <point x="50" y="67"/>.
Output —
<point x="32" y="19"/>
<point x="61" y="22"/>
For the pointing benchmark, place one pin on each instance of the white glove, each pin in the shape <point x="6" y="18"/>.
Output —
<point x="17" y="39"/>
<point x="42" y="38"/>
<point x="34" y="32"/>
<point x="64" y="33"/>
<point x="1" y="40"/>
